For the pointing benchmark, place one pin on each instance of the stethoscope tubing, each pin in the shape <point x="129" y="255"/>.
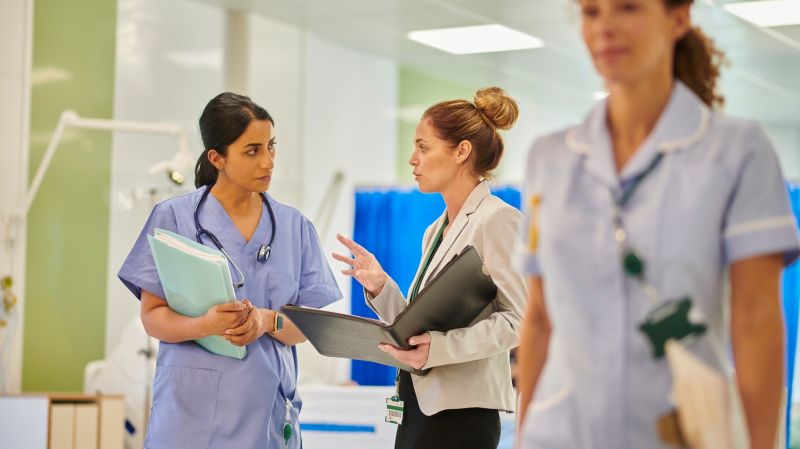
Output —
<point x="263" y="252"/>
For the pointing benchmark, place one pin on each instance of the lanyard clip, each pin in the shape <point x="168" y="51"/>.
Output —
<point x="287" y="423"/>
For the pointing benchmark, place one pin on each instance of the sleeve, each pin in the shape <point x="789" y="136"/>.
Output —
<point x="318" y="287"/>
<point x="759" y="218"/>
<point x="499" y="332"/>
<point x="139" y="270"/>
<point x="526" y="256"/>
<point x="390" y="302"/>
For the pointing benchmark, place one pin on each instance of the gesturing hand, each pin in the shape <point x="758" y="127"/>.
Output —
<point x="363" y="266"/>
<point x="416" y="357"/>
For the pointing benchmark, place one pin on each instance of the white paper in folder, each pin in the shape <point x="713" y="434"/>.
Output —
<point x="708" y="405"/>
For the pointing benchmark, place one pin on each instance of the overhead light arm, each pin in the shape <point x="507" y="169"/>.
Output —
<point x="70" y="119"/>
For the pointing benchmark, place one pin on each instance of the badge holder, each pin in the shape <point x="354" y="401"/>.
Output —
<point x="394" y="410"/>
<point x="670" y="321"/>
<point x="287" y="424"/>
<point x="394" y="405"/>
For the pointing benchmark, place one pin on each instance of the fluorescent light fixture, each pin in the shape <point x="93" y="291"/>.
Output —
<point x="476" y="39"/>
<point x="767" y="13"/>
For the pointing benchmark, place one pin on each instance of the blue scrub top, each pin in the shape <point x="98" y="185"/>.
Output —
<point x="203" y="400"/>
<point x="716" y="197"/>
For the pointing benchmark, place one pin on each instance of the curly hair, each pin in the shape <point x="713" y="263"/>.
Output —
<point x="697" y="62"/>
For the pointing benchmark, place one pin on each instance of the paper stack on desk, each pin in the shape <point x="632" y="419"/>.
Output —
<point x="195" y="278"/>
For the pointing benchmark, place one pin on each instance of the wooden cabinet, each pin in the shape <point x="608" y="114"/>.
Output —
<point x="61" y="421"/>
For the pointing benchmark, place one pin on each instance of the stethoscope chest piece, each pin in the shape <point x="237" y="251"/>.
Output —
<point x="263" y="253"/>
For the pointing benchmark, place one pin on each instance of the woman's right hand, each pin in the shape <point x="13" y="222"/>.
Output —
<point x="363" y="266"/>
<point x="222" y="317"/>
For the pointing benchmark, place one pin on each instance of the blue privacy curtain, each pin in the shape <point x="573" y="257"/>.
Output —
<point x="390" y="223"/>
<point x="791" y="309"/>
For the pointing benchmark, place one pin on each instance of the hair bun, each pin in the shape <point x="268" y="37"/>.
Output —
<point x="496" y="105"/>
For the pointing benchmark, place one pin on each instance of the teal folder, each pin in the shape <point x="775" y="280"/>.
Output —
<point x="195" y="278"/>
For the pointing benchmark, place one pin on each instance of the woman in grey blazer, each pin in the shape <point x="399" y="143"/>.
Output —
<point x="456" y="404"/>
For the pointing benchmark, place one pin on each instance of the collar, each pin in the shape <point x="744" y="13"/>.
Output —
<point x="683" y="122"/>
<point x="474" y="199"/>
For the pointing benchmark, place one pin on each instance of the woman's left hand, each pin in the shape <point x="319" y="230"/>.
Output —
<point x="416" y="357"/>
<point x="251" y="329"/>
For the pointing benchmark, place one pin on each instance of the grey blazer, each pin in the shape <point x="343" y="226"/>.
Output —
<point x="470" y="366"/>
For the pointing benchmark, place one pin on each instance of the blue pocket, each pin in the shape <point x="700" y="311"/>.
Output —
<point x="184" y="402"/>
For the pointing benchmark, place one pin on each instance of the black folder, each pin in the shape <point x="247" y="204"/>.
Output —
<point x="452" y="300"/>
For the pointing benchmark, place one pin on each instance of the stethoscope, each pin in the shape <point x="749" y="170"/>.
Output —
<point x="263" y="250"/>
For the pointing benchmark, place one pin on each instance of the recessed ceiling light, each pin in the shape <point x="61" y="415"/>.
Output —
<point x="767" y="13"/>
<point x="476" y="39"/>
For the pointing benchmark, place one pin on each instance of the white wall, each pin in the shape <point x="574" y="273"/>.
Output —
<point x="16" y="24"/>
<point x="169" y="63"/>
<point x="786" y="139"/>
<point x="334" y="112"/>
<point x="267" y="65"/>
<point x="350" y="126"/>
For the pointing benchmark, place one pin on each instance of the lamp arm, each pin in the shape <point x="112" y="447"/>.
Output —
<point x="71" y="119"/>
<point x="63" y="121"/>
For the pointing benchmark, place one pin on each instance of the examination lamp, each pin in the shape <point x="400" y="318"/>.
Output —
<point x="70" y="119"/>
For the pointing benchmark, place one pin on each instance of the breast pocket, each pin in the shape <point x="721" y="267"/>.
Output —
<point x="282" y="289"/>
<point x="184" y="403"/>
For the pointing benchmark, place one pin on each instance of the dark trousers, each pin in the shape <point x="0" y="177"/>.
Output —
<point x="467" y="428"/>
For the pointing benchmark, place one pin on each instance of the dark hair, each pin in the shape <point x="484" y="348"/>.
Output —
<point x="224" y="119"/>
<point x="478" y="122"/>
<point x="697" y="62"/>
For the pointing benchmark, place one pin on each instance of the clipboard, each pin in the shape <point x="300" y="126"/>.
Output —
<point x="453" y="299"/>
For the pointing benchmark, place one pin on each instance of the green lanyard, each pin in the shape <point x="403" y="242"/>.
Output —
<point x="669" y="320"/>
<point x="437" y="241"/>
<point x="632" y="263"/>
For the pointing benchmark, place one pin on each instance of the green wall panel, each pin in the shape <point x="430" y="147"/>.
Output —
<point x="67" y="247"/>
<point x="416" y="93"/>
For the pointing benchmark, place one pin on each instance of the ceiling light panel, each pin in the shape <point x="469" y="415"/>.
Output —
<point x="767" y="13"/>
<point x="476" y="39"/>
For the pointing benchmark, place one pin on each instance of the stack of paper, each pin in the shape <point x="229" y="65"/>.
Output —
<point x="708" y="410"/>
<point x="195" y="278"/>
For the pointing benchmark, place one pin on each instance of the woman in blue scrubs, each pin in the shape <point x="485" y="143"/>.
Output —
<point x="634" y="216"/>
<point x="200" y="399"/>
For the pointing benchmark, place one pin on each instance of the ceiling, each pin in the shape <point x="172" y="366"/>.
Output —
<point x="761" y="82"/>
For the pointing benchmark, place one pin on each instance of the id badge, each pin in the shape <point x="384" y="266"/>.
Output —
<point x="671" y="320"/>
<point x="394" y="410"/>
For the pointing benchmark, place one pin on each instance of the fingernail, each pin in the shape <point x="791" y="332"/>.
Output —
<point x="381" y="348"/>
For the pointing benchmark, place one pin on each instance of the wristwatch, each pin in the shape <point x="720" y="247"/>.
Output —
<point x="277" y="324"/>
